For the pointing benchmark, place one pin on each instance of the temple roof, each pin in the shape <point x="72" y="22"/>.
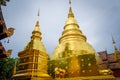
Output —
<point x="2" y="26"/>
<point x="4" y="32"/>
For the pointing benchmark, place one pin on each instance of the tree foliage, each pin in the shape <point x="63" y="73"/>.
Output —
<point x="6" y="68"/>
<point x="3" y="2"/>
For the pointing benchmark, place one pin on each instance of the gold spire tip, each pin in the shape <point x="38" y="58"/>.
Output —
<point x="37" y="23"/>
<point x="38" y="12"/>
<point x="114" y="43"/>
<point x="70" y="10"/>
<point x="113" y="39"/>
<point x="70" y="2"/>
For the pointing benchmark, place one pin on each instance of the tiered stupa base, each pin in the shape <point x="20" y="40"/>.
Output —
<point x="81" y="67"/>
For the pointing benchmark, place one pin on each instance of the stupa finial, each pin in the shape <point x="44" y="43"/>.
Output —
<point x="70" y="14"/>
<point x="114" y="43"/>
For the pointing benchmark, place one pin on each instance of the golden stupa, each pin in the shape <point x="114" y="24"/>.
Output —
<point x="73" y="38"/>
<point x="33" y="59"/>
<point x="74" y="58"/>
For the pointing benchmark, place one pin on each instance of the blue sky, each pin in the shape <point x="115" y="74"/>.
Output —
<point x="98" y="19"/>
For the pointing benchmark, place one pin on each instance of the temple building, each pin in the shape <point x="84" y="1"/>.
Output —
<point x="111" y="61"/>
<point x="33" y="59"/>
<point x="4" y="33"/>
<point x="73" y="58"/>
<point x="74" y="50"/>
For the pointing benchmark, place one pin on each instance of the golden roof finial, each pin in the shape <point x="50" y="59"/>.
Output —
<point x="36" y="29"/>
<point x="116" y="51"/>
<point x="70" y="2"/>
<point x="114" y="43"/>
<point x="70" y="10"/>
<point x="113" y="39"/>
<point x="38" y="12"/>
<point x="38" y="17"/>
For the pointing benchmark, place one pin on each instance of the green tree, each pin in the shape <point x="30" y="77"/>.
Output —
<point x="6" y="68"/>
<point x="3" y="2"/>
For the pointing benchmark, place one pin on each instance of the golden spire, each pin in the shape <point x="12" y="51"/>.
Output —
<point x="73" y="36"/>
<point x="114" y="43"/>
<point x="116" y="52"/>
<point x="71" y="27"/>
<point x="35" y="42"/>
<point x="36" y="32"/>
<point x="70" y="10"/>
<point x="38" y="15"/>
<point x="38" y="12"/>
